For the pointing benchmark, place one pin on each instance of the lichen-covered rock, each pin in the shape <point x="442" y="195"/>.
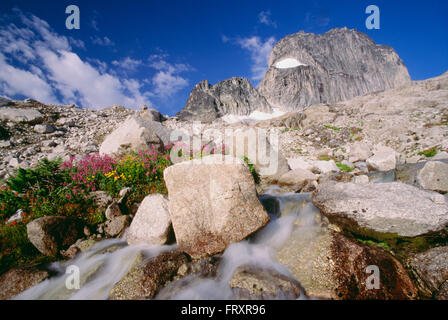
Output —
<point x="249" y="282"/>
<point x="213" y="203"/>
<point x="116" y="226"/>
<point x="329" y="265"/>
<point x="51" y="234"/>
<point x="144" y="279"/>
<point x="311" y="75"/>
<point x="232" y="96"/>
<point x="18" y="280"/>
<point x="431" y="270"/>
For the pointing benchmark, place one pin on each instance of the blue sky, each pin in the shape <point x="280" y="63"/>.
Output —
<point x="153" y="52"/>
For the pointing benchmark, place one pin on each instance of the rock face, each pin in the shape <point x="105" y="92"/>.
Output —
<point x="51" y="234"/>
<point x="212" y="203"/>
<point x="255" y="283"/>
<point x="136" y="134"/>
<point x="4" y="101"/>
<point x="306" y="69"/>
<point x="329" y="265"/>
<point x="384" y="208"/>
<point x="152" y="222"/>
<point x="232" y="96"/>
<point x="431" y="270"/>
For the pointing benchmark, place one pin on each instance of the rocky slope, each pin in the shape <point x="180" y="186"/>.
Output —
<point x="306" y="69"/>
<point x="232" y="96"/>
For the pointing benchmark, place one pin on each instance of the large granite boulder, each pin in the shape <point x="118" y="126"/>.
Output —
<point x="232" y="96"/>
<point x="213" y="203"/>
<point x="306" y="69"/>
<point x="136" y="134"/>
<point x="380" y="210"/>
<point x="152" y="222"/>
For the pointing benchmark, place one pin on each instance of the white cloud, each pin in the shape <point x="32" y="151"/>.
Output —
<point x="15" y="81"/>
<point x="167" y="80"/>
<point x="77" y="43"/>
<point x="264" y="17"/>
<point x="127" y="63"/>
<point x="38" y="63"/>
<point x="105" y="41"/>
<point x="259" y="52"/>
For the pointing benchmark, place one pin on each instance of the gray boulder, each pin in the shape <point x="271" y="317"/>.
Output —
<point x="43" y="128"/>
<point x="152" y="222"/>
<point x="21" y="115"/>
<point x="383" y="159"/>
<point x="306" y="69"/>
<point x="151" y="114"/>
<point x="429" y="175"/>
<point x="383" y="209"/>
<point x="136" y="134"/>
<point x="296" y="178"/>
<point x="232" y="96"/>
<point x="434" y="176"/>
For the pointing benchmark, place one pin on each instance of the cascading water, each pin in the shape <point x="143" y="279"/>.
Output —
<point x="104" y="264"/>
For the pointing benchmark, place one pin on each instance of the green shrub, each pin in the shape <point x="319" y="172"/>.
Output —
<point x="332" y="128"/>
<point x="429" y="153"/>
<point x="252" y="169"/>
<point x="344" y="167"/>
<point x="65" y="189"/>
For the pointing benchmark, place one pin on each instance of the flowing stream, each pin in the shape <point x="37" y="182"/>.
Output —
<point x="105" y="263"/>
